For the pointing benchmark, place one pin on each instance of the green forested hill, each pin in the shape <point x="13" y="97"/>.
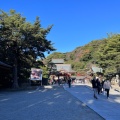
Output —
<point x="104" y="53"/>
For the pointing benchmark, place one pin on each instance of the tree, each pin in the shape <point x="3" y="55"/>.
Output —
<point x="109" y="54"/>
<point x="21" y="43"/>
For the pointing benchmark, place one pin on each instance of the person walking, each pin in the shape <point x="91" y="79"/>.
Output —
<point x="59" y="81"/>
<point x="94" y="82"/>
<point x="99" y="84"/>
<point x="107" y="86"/>
<point x="102" y="82"/>
<point x="69" y="82"/>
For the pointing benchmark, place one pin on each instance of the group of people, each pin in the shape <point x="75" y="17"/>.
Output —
<point x="100" y="85"/>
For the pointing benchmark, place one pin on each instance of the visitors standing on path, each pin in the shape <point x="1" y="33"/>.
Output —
<point x="107" y="86"/>
<point x="59" y="81"/>
<point x="69" y="82"/>
<point x="94" y="82"/>
<point x="102" y="82"/>
<point x="99" y="84"/>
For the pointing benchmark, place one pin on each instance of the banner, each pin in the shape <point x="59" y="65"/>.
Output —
<point x="36" y="74"/>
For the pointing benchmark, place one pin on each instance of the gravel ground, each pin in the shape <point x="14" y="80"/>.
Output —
<point x="44" y="104"/>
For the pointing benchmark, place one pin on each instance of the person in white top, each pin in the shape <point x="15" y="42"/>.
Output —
<point x="107" y="86"/>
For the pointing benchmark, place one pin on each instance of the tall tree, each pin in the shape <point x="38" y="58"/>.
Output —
<point x="109" y="54"/>
<point x="21" y="43"/>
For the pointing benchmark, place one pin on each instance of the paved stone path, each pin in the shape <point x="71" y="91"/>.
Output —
<point x="44" y="104"/>
<point x="107" y="108"/>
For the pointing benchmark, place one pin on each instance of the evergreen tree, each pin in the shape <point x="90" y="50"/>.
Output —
<point x="21" y="43"/>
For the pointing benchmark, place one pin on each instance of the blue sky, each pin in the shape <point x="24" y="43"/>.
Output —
<point x="76" y="22"/>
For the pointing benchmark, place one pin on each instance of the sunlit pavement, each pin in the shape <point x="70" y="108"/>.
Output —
<point x="44" y="103"/>
<point x="107" y="108"/>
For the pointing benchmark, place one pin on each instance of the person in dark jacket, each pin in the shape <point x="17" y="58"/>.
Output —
<point x="69" y="82"/>
<point x="99" y="86"/>
<point x="94" y="82"/>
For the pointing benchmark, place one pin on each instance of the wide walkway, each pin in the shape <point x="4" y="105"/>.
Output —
<point x="109" y="109"/>
<point x="45" y="103"/>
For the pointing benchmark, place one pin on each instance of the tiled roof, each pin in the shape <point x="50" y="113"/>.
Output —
<point x="57" y="61"/>
<point x="64" y="67"/>
<point x="96" y="69"/>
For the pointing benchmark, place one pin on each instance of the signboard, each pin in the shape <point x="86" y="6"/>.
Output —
<point x="36" y="74"/>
